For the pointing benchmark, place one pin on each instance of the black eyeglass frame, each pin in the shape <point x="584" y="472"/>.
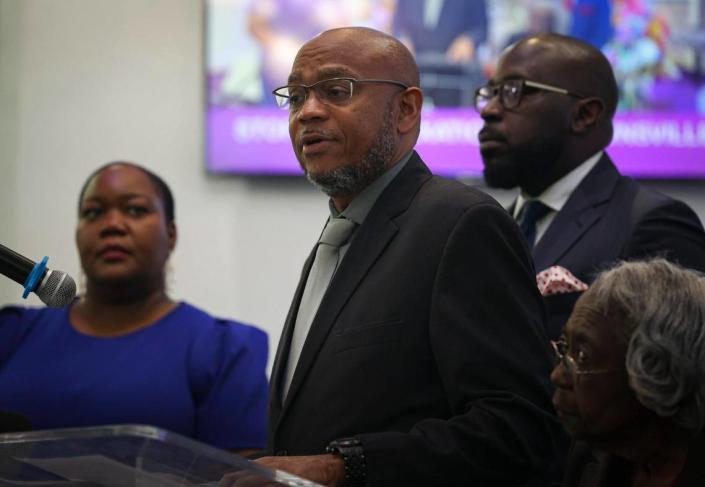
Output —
<point x="283" y="101"/>
<point x="497" y="89"/>
<point x="560" y="347"/>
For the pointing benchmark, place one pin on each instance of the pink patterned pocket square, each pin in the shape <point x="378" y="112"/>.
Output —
<point x="558" y="280"/>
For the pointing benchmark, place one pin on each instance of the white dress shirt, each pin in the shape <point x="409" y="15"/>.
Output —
<point x="556" y="195"/>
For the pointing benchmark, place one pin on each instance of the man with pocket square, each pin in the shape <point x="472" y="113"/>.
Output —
<point x="547" y="115"/>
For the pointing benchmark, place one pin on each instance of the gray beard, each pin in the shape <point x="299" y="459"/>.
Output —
<point x="353" y="178"/>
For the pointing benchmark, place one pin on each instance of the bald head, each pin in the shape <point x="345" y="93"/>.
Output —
<point x="573" y="64"/>
<point x="346" y="137"/>
<point x="387" y="56"/>
<point x="548" y="132"/>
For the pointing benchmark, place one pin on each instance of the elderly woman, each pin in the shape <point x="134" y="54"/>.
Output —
<point x="630" y="379"/>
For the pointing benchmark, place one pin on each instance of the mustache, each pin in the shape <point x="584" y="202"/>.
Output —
<point x="489" y="134"/>
<point x="322" y="133"/>
<point x="325" y="132"/>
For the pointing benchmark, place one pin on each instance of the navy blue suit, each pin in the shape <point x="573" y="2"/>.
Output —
<point x="456" y="17"/>
<point x="610" y="217"/>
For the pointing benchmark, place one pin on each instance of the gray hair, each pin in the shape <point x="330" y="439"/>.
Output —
<point x="661" y="309"/>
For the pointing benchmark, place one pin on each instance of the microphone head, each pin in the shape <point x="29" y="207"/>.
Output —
<point x="57" y="289"/>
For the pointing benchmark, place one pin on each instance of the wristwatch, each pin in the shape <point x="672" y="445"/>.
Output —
<point x="353" y="455"/>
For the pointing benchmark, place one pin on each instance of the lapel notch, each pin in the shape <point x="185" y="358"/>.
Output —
<point x="368" y="244"/>
<point x="584" y="207"/>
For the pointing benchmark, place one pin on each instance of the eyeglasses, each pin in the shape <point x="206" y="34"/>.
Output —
<point x="560" y="347"/>
<point x="333" y="91"/>
<point x="511" y="91"/>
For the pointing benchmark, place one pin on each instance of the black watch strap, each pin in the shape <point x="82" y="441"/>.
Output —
<point x="353" y="455"/>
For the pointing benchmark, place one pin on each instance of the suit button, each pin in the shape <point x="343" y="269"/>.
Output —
<point x="281" y="453"/>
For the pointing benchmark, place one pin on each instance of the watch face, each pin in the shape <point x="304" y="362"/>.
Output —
<point x="344" y="443"/>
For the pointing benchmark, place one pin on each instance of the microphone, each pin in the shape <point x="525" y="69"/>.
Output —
<point x="54" y="288"/>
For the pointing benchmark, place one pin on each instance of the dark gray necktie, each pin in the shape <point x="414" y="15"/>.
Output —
<point x="336" y="233"/>
<point x="531" y="212"/>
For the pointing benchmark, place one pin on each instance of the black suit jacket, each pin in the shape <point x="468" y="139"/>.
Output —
<point x="610" y="217"/>
<point x="428" y="345"/>
<point x="588" y="467"/>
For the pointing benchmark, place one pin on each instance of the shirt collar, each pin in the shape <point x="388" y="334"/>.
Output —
<point x="361" y="205"/>
<point x="557" y="194"/>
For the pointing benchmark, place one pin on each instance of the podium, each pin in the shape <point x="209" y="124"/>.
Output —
<point x="126" y="456"/>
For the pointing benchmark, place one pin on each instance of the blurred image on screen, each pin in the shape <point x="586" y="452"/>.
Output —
<point x="657" y="49"/>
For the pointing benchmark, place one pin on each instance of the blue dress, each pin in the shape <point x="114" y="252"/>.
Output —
<point x="188" y="372"/>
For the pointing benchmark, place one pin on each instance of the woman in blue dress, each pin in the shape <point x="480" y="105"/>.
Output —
<point x="124" y="351"/>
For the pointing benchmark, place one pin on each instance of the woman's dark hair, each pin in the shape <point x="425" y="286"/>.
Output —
<point x="161" y="187"/>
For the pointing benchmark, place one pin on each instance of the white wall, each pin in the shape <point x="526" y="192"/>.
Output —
<point x="83" y="82"/>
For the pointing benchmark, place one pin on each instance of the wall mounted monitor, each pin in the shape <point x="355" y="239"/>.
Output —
<point x="657" y="48"/>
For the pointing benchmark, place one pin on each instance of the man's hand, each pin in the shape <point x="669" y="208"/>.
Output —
<point x="323" y="469"/>
<point x="462" y="50"/>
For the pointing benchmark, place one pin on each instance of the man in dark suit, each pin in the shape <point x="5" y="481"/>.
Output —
<point x="444" y="36"/>
<point x="425" y="362"/>
<point x="548" y="119"/>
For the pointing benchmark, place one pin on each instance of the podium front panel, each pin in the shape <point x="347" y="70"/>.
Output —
<point x="127" y="456"/>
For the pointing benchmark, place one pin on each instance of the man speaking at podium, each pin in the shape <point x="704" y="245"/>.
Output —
<point x="414" y="350"/>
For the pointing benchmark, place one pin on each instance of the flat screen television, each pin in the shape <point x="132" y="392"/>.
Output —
<point x="657" y="48"/>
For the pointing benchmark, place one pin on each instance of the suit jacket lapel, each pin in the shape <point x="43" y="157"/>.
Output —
<point x="369" y="242"/>
<point x="282" y="354"/>
<point x="583" y="208"/>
